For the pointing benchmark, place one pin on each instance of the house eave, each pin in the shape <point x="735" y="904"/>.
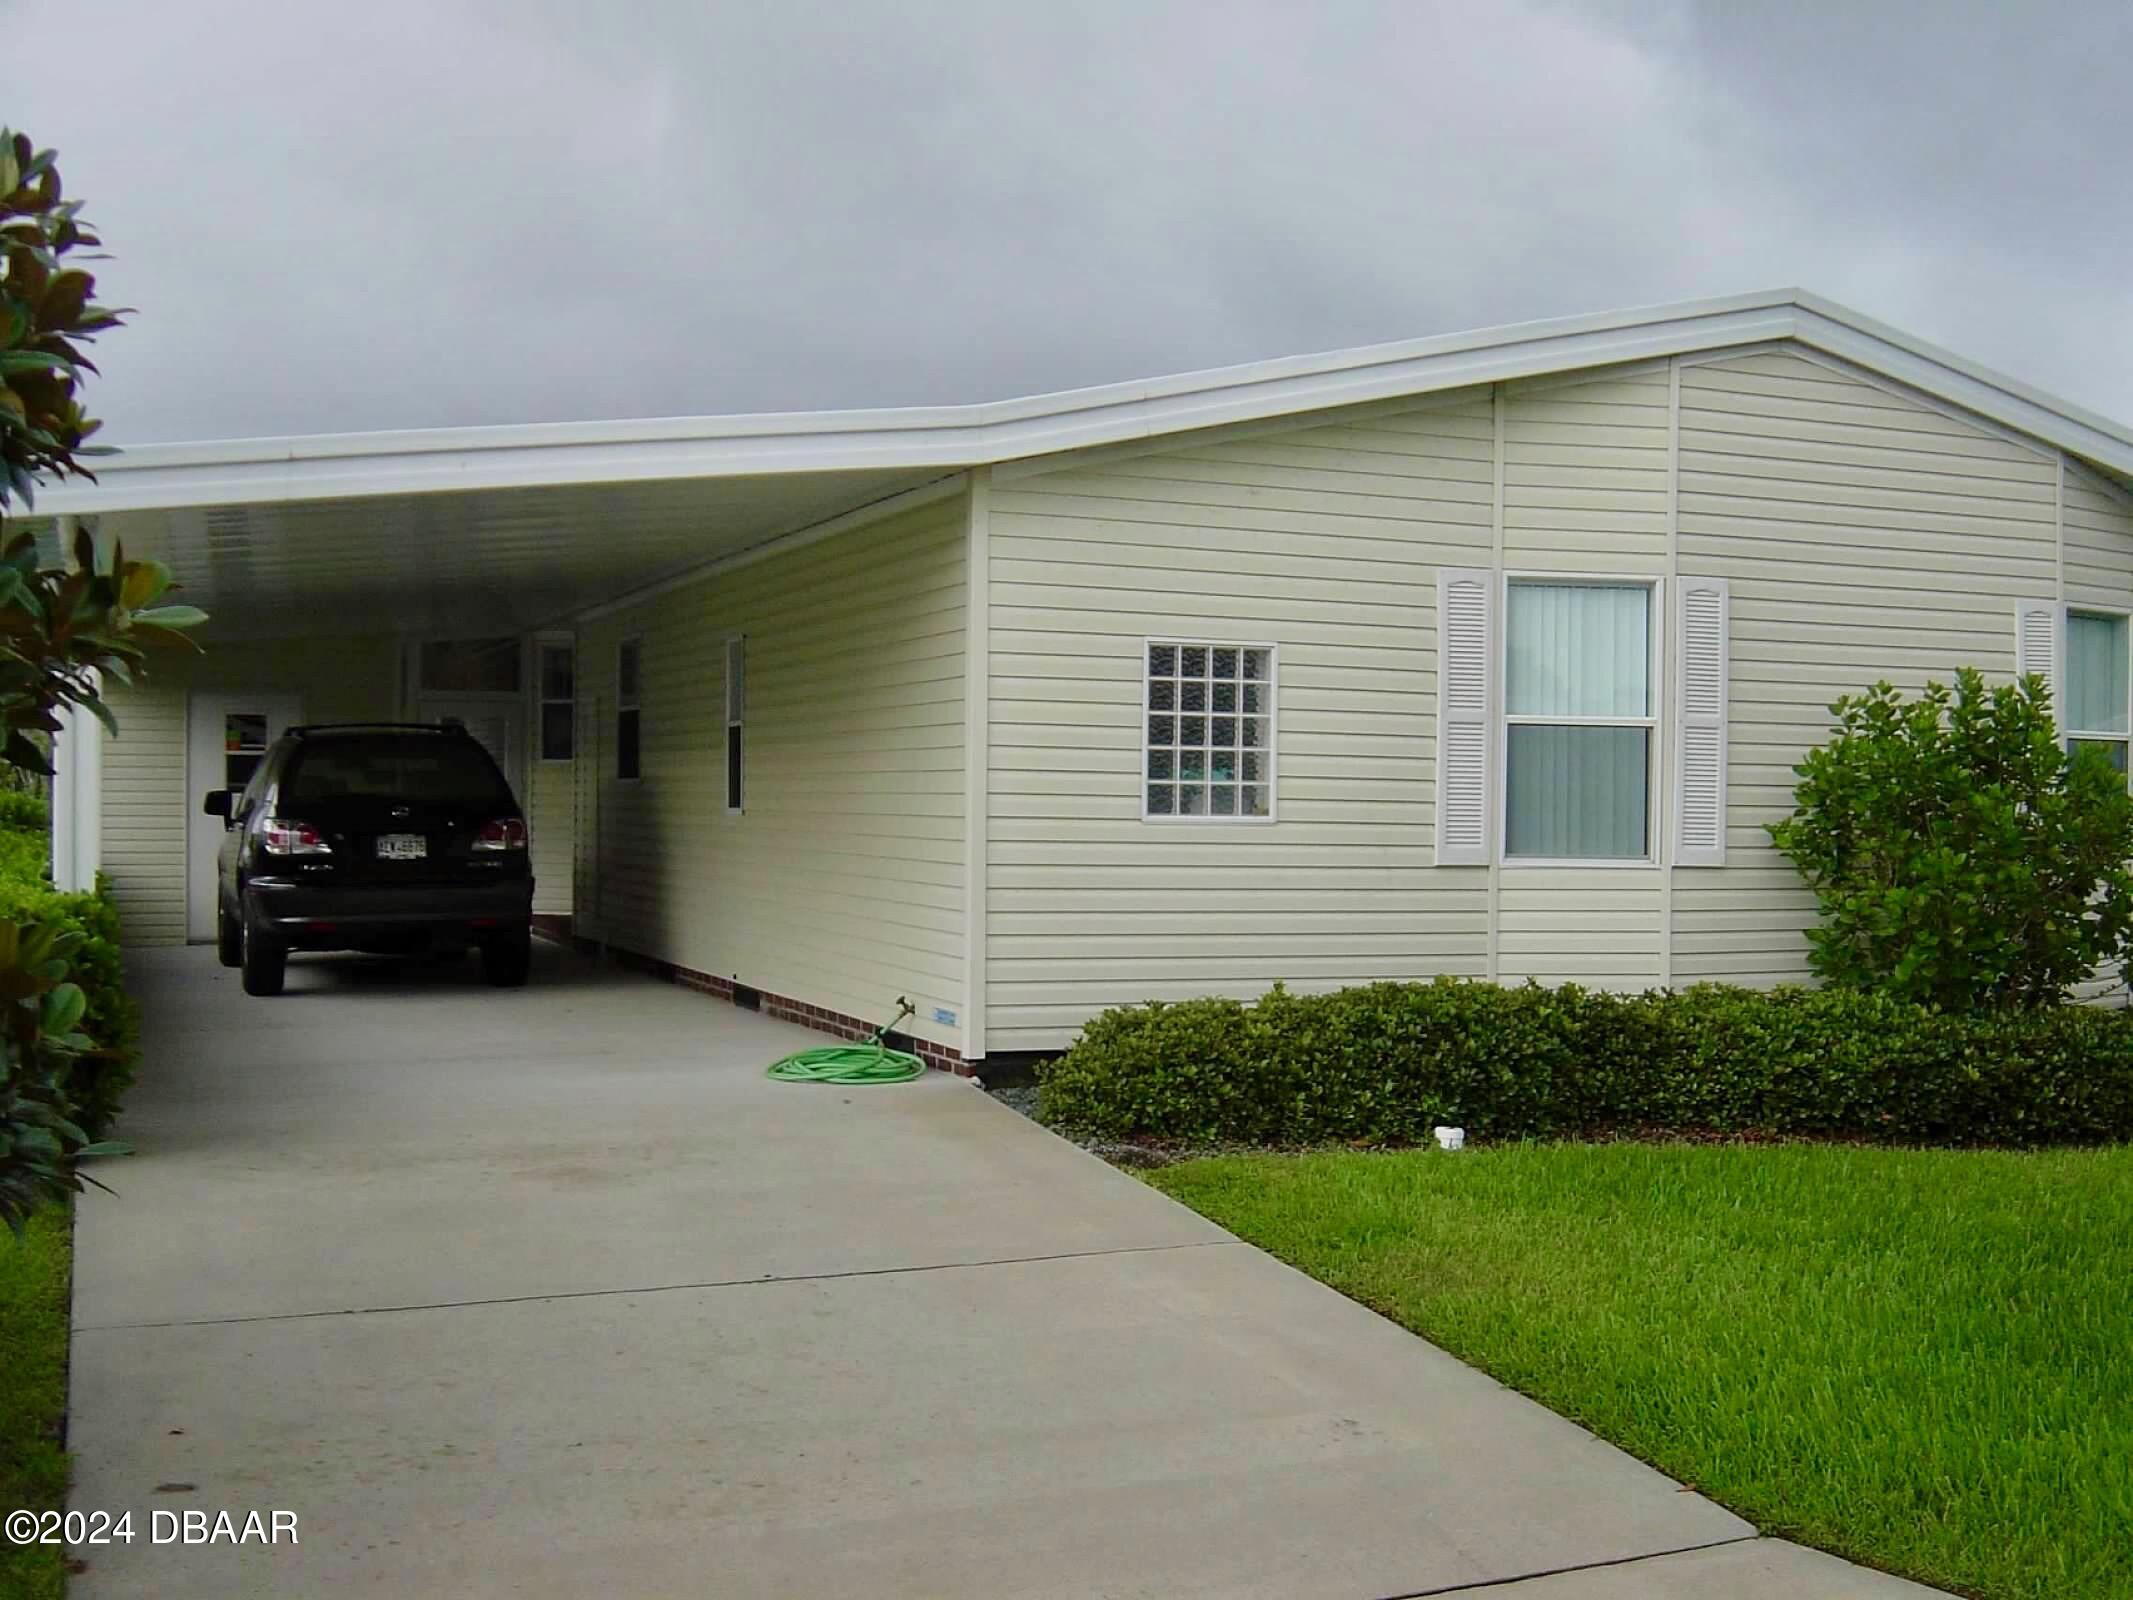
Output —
<point x="334" y="466"/>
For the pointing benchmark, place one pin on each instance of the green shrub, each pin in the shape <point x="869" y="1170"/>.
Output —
<point x="69" y="626"/>
<point x="1385" y="1062"/>
<point x="1958" y="855"/>
<point x="112" y="1022"/>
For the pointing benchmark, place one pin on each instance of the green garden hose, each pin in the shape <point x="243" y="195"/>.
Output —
<point x="867" y="1062"/>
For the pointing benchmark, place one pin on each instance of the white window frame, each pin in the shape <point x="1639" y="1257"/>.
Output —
<point x="734" y="722"/>
<point x="2062" y="692"/>
<point x="542" y="644"/>
<point x="1273" y="730"/>
<point x="633" y="702"/>
<point x="1651" y="722"/>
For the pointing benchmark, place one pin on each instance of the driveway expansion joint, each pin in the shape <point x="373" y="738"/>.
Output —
<point x="656" y="1288"/>
<point x="1479" y="1584"/>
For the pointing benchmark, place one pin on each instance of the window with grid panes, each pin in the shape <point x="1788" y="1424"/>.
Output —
<point x="629" y="718"/>
<point x="559" y="702"/>
<point x="1210" y="733"/>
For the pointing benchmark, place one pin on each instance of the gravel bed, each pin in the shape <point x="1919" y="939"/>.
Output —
<point x="1022" y="1097"/>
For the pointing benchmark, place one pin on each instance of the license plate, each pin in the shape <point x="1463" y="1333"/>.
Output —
<point x="402" y="847"/>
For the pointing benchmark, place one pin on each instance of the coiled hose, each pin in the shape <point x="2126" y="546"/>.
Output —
<point x="870" y="1061"/>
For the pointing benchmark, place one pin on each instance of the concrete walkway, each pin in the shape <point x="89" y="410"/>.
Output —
<point x="552" y="1293"/>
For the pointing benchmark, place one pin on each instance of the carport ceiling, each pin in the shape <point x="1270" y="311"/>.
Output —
<point x="504" y="558"/>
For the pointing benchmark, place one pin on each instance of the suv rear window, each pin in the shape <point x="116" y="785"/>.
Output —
<point x="423" y="768"/>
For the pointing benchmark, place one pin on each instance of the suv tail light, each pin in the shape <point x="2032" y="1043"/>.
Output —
<point x="284" y="838"/>
<point x="505" y="833"/>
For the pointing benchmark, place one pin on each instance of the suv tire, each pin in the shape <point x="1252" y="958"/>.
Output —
<point x="229" y="939"/>
<point x="506" y="958"/>
<point x="265" y="960"/>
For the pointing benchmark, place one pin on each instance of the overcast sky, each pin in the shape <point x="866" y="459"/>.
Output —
<point x="396" y="215"/>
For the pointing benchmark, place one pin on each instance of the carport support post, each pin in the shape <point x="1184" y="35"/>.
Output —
<point x="977" y="789"/>
<point x="77" y="799"/>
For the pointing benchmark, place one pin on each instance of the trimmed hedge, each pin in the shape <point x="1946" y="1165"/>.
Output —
<point x="1385" y="1062"/>
<point x="113" y="1020"/>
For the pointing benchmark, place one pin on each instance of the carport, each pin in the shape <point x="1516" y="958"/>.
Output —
<point x="455" y="574"/>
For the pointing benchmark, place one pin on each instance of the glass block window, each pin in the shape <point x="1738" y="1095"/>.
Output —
<point x="1208" y="750"/>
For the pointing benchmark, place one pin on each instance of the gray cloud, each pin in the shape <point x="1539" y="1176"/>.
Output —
<point x="420" y="214"/>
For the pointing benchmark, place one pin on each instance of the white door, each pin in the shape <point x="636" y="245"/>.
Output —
<point x="225" y="735"/>
<point x="499" y="724"/>
<point x="585" y="836"/>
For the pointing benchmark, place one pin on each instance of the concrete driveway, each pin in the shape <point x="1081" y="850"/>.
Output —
<point x="552" y="1293"/>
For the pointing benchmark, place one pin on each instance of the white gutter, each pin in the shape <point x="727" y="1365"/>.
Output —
<point x="251" y="471"/>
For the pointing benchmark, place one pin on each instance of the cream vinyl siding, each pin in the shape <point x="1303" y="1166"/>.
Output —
<point x="2099" y="541"/>
<point x="146" y="810"/>
<point x="1585" y="492"/>
<point x="550" y="801"/>
<point x="842" y="883"/>
<point x="1866" y="535"/>
<point x="1323" y="539"/>
<point x="146" y="802"/>
<point x="1584" y="478"/>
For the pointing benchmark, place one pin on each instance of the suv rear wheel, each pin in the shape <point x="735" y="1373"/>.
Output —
<point x="266" y="960"/>
<point x="507" y="957"/>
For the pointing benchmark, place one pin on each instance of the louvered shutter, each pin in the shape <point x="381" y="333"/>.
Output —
<point x="2040" y="634"/>
<point x="1700" y="723"/>
<point x="1466" y="656"/>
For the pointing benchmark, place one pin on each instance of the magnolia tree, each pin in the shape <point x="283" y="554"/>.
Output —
<point x="64" y="628"/>
<point x="1959" y="854"/>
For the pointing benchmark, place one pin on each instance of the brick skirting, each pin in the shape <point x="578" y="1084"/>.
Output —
<point x="784" y="1008"/>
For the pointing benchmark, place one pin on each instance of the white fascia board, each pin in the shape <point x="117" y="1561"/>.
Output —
<point x="137" y="481"/>
<point x="157" y="477"/>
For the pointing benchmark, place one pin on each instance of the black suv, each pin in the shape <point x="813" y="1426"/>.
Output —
<point x="379" y="836"/>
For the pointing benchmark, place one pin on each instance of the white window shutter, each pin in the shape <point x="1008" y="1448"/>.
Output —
<point x="1700" y="608"/>
<point x="1466" y="666"/>
<point x="2040" y="644"/>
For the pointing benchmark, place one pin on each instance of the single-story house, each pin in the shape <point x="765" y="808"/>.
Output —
<point x="1486" y="655"/>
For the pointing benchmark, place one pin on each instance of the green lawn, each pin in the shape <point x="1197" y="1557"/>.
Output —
<point x="1919" y="1359"/>
<point x="33" y="1393"/>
